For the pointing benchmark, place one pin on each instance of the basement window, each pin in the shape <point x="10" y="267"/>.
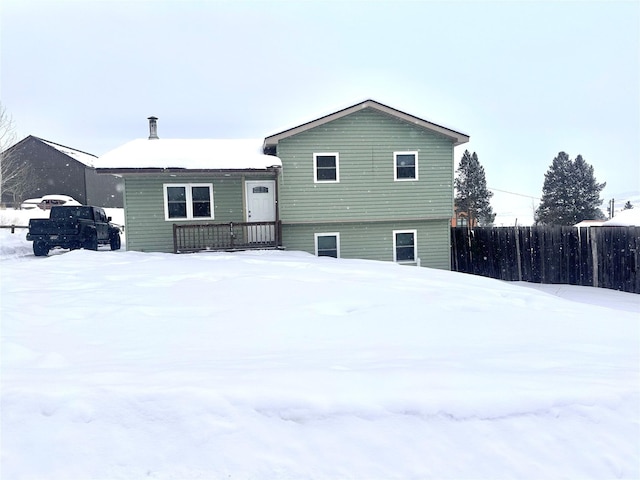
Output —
<point x="405" y="246"/>
<point x="327" y="244"/>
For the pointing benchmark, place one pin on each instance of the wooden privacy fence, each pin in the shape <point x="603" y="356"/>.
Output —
<point x="226" y="236"/>
<point x="606" y="257"/>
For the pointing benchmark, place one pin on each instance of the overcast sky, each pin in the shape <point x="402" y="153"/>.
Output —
<point x="524" y="79"/>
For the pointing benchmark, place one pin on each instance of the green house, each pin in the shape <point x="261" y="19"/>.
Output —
<point x="189" y="195"/>
<point x="368" y="181"/>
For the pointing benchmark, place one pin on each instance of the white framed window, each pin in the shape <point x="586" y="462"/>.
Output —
<point x="326" y="167"/>
<point x="327" y="244"/>
<point x="462" y="221"/>
<point x="405" y="166"/>
<point x="188" y="201"/>
<point x="405" y="246"/>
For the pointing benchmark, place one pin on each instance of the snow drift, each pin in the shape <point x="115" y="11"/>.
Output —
<point x="270" y="365"/>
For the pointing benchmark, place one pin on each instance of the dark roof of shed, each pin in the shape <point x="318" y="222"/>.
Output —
<point x="85" y="158"/>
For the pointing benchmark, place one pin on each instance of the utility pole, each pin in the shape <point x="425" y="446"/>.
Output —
<point x="611" y="208"/>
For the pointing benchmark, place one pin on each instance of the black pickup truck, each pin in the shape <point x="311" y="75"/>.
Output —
<point x="73" y="227"/>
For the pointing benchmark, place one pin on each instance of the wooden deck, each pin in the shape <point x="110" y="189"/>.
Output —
<point x="226" y="236"/>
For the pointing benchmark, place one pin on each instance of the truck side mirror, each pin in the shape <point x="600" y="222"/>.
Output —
<point x="108" y="219"/>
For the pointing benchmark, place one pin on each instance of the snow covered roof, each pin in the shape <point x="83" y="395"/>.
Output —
<point x="192" y="154"/>
<point x="589" y="223"/>
<point x="625" y="218"/>
<point x="82" y="157"/>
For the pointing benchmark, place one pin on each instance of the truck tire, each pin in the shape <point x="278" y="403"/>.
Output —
<point x="91" y="243"/>
<point x="40" y="249"/>
<point x="114" y="241"/>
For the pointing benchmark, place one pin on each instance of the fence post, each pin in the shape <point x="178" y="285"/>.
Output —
<point x="518" y="254"/>
<point x="594" y="255"/>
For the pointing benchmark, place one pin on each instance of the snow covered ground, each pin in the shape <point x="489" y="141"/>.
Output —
<point x="279" y="365"/>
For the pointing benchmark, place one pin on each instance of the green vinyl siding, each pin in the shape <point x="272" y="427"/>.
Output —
<point x="374" y="240"/>
<point x="145" y="226"/>
<point x="366" y="142"/>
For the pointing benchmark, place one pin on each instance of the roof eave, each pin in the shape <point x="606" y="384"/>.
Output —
<point x="214" y="171"/>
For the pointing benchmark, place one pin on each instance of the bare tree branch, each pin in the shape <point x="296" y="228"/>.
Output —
<point x="15" y="176"/>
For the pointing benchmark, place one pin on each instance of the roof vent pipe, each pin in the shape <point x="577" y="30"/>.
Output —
<point x="153" y="128"/>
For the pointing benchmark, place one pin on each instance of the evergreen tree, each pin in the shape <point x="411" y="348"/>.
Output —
<point x="628" y="205"/>
<point x="472" y="195"/>
<point x="570" y="193"/>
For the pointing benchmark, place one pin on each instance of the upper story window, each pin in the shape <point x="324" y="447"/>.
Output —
<point x="405" y="248"/>
<point x="327" y="244"/>
<point x="326" y="167"/>
<point x="405" y="166"/>
<point x="188" y="201"/>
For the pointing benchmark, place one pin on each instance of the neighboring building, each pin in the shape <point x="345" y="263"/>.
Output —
<point x="589" y="223"/>
<point x="52" y="168"/>
<point x="368" y="181"/>
<point x="624" y="218"/>
<point x="461" y="220"/>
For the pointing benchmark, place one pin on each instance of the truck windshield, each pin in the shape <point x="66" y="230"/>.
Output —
<point x="71" y="212"/>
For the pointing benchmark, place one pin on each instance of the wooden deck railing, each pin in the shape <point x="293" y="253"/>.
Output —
<point x="226" y="236"/>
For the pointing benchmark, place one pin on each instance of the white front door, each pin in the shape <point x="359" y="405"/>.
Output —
<point x="261" y="207"/>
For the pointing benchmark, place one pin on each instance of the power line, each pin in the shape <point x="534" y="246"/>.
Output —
<point x="514" y="193"/>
